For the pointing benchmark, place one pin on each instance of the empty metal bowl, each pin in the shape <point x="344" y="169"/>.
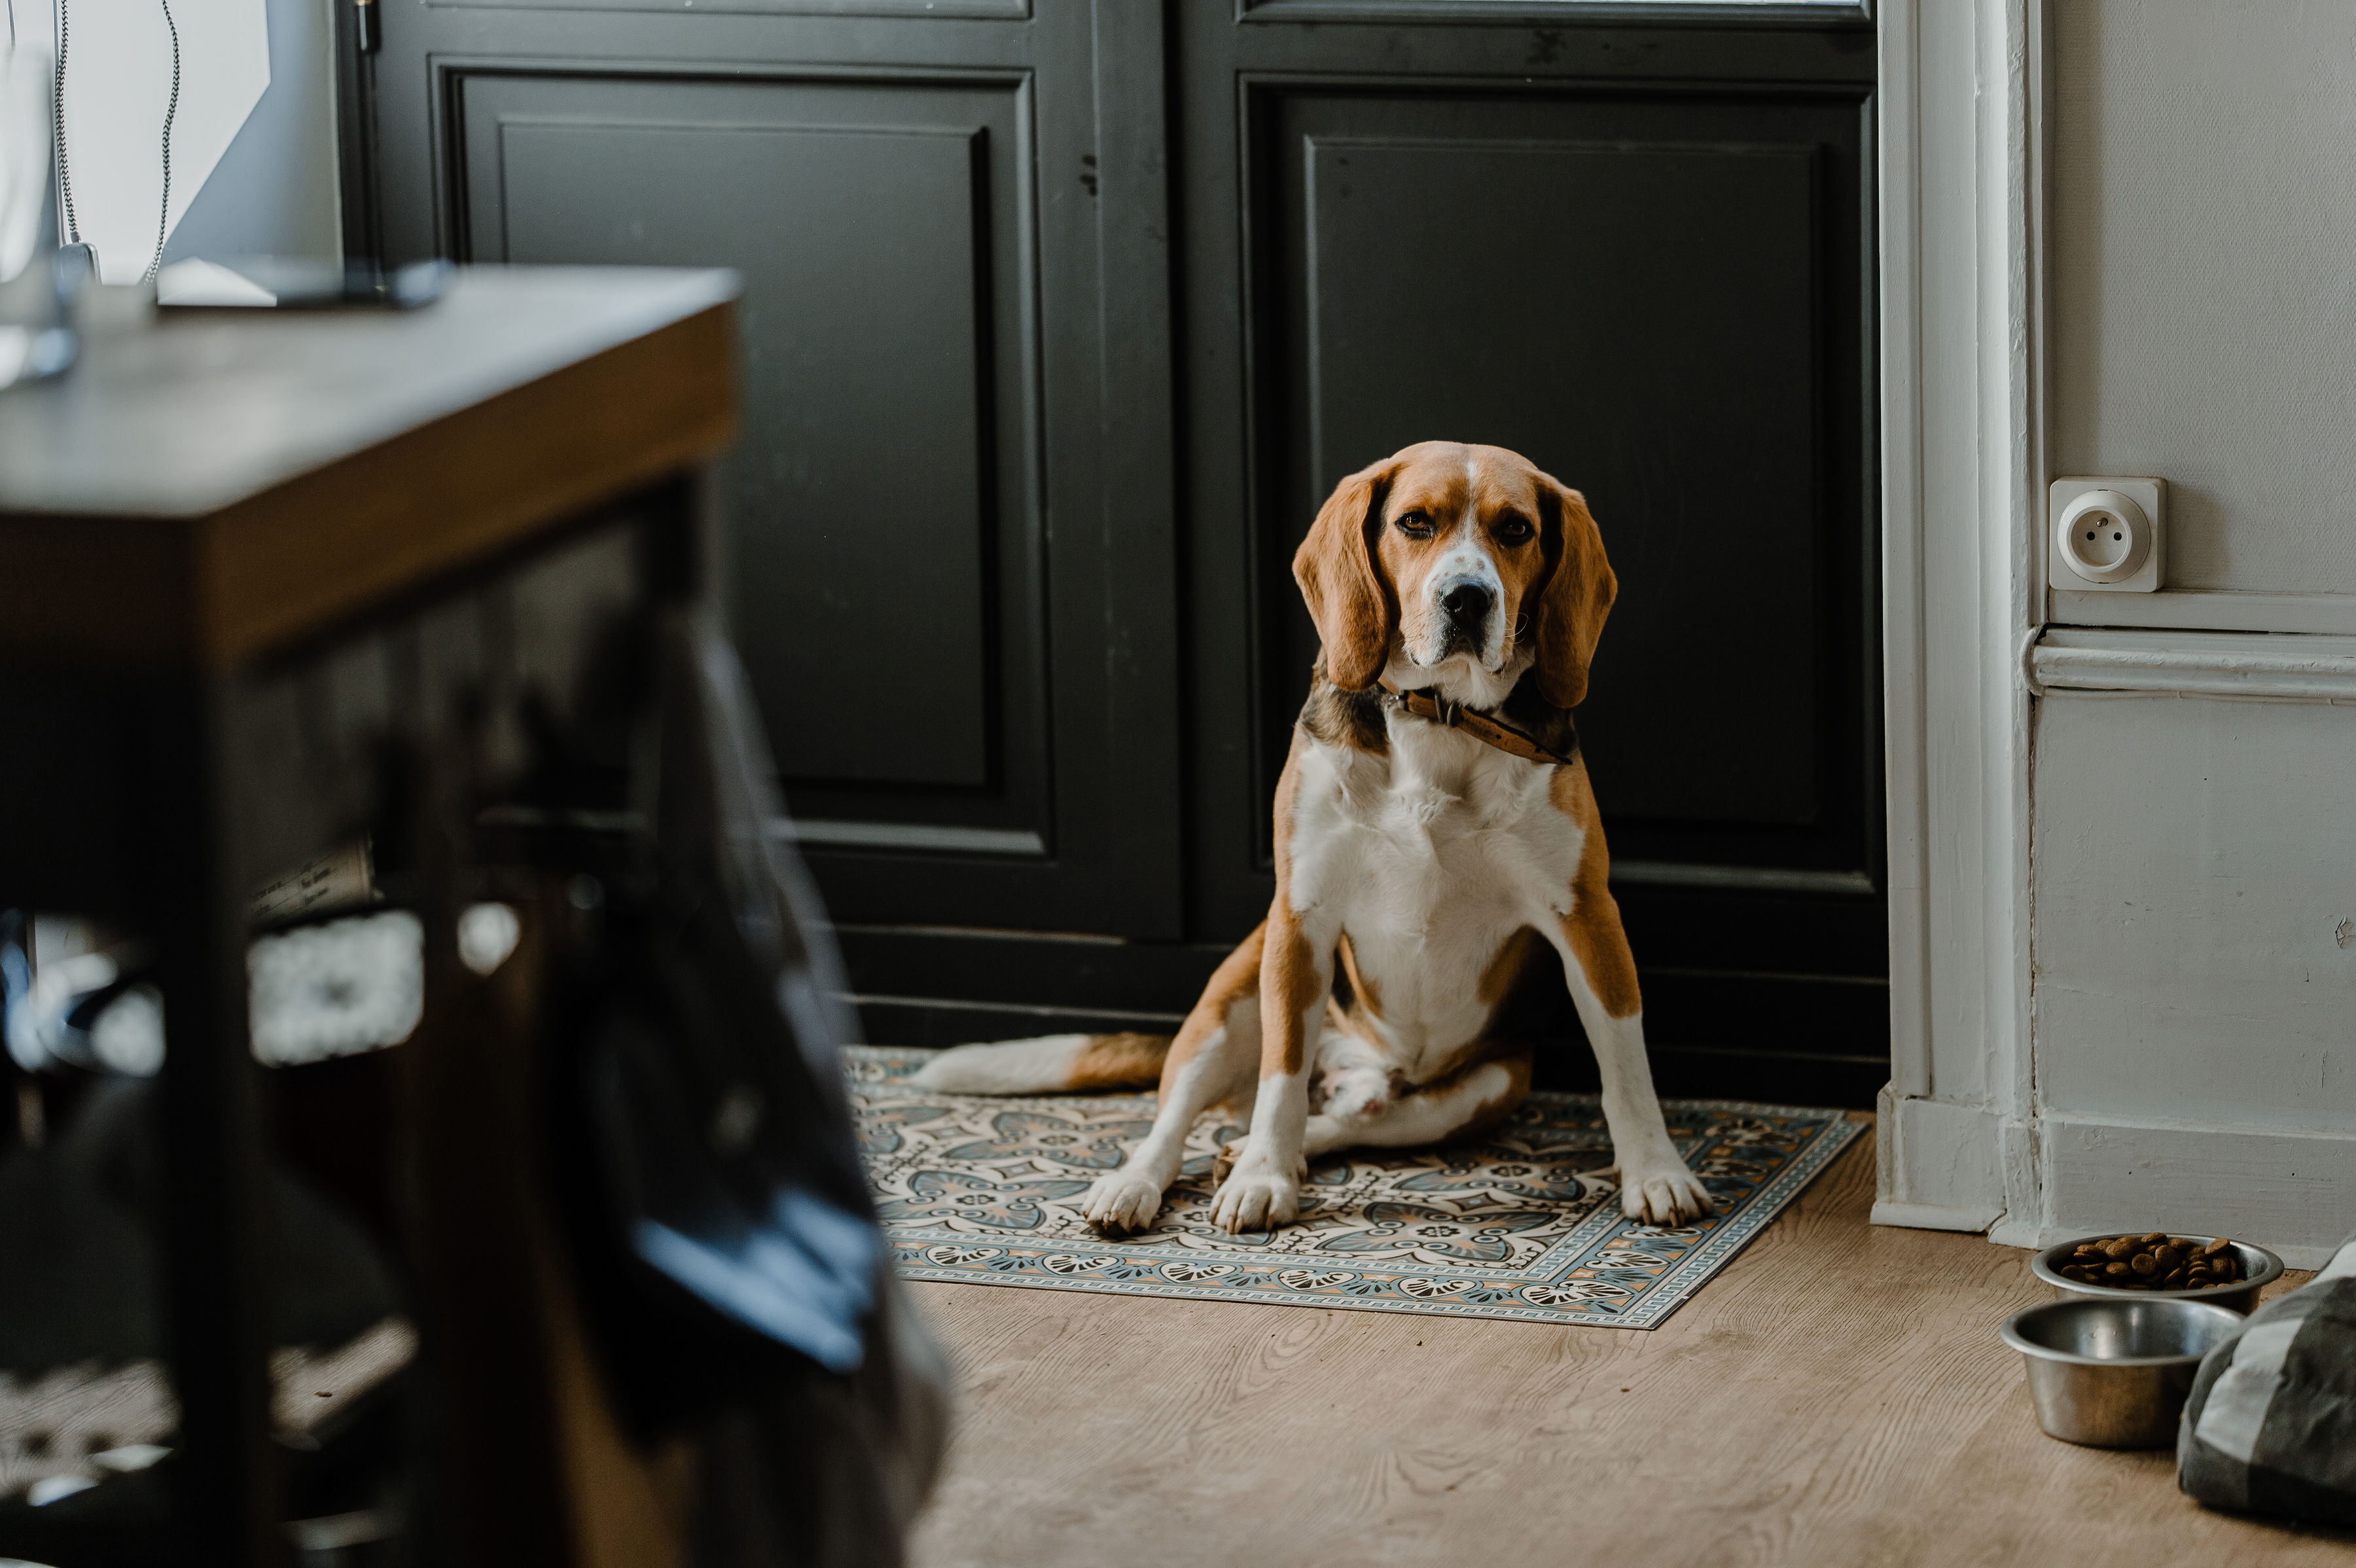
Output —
<point x="2260" y="1269"/>
<point x="2114" y="1374"/>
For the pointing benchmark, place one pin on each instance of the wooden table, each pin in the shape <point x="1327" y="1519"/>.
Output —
<point x="240" y="549"/>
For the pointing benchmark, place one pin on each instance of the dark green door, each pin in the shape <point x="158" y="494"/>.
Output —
<point x="1061" y="317"/>
<point x="1634" y="244"/>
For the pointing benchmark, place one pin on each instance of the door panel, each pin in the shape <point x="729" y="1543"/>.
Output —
<point x="1464" y="283"/>
<point x="1656" y="293"/>
<point x="862" y="220"/>
<point x="1639" y="252"/>
<point x="939" y="510"/>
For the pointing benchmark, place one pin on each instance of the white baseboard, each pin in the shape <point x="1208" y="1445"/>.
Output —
<point x="2027" y="1233"/>
<point x="1934" y="1216"/>
<point x="2290" y="1190"/>
<point x="1938" y="1159"/>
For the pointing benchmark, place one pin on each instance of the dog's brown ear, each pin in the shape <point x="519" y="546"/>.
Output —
<point x="1340" y="577"/>
<point x="1577" y="595"/>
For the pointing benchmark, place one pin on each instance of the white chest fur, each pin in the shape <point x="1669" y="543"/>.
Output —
<point x="1430" y="859"/>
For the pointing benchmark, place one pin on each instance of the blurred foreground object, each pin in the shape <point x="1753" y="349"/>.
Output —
<point x="646" y="1227"/>
<point x="546" y="1049"/>
<point x="267" y="572"/>
<point x="91" y="1444"/>
<point x="751" y="1300"/>
<point x="36" y="279"/>
<point x="71" y="997"/>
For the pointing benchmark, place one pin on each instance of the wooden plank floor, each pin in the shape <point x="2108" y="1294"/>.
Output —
<point x="1836" y="1396"/>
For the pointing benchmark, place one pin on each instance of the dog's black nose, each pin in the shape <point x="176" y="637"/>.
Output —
<point x="1467" y="606"/>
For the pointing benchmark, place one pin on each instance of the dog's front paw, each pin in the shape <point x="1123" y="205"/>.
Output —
<point x="1658" y="1189"/>
<point x="1256" y="1199"/>
<point x="1120" y="1202"/>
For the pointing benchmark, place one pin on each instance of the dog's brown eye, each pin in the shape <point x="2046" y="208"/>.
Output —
<point x="1415" y="524"/>
<point x="1514" y="528"/>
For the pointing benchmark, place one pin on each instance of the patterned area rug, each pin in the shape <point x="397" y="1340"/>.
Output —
<point x="986" y="1191"/>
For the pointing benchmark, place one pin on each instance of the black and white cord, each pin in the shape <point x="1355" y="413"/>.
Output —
<point x="164" y="210"/>
<point x="57" y="118"/>
<point x="58" y="110"/>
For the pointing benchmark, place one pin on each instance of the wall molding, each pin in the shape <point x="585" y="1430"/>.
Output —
<point x="1522" y="12"/>
<point x="1905" y="732"/>
<point x="927" y="838"/>
<point x="1077" y="1019"/>
<point x="1960" y="123"/>
<point x="2282" y="1187"/>
<point x="2209" y="609"/>
<point x="850" y="10"/>
<point x="816" y="833"/>
<point x="1743" y="878"/>
<point x="1939" y="1164"/>
<point x="2292" y="667"/>
<point x="1935" y="1217"/>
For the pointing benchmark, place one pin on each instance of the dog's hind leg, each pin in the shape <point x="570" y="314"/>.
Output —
<point x="1213" y="1059"/>
<point x="1464" y="1104"/>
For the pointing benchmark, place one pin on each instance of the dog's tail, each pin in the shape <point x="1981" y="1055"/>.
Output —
<point x="1048" y="1065"/>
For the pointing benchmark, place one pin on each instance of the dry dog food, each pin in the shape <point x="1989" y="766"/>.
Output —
<point x="2156" y="1262"/>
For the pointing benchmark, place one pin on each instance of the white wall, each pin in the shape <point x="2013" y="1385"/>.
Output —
<point x="254" y="163"/>
<point x="2195" y="910"/>
<point x="2204" y="297"/>
<point x="275" y="191"/>
<point x="2194" y="887"/>
<point x="2135" y="1003"/>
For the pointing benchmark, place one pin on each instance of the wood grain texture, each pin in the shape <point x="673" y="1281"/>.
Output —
<point x="1836" y="1396"/>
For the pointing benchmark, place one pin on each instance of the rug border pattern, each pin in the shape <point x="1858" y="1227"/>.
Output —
<point x="1671" y="1291"/>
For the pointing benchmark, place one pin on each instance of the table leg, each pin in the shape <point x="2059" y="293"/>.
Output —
<point x="212" y="1242"/>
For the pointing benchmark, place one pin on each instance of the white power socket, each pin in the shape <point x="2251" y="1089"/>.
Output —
<point x="2108" y="536"/>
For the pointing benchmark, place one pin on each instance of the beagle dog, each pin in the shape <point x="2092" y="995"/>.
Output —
<point x="1435" y="833"/>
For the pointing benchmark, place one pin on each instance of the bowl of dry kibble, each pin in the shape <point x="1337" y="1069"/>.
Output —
<point x="2214" y="1269"/>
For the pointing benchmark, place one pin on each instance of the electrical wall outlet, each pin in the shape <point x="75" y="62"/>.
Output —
<point x="2108" y="536"/>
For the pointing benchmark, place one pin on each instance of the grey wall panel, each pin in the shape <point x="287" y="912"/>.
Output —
<point x="1638" y="321"/>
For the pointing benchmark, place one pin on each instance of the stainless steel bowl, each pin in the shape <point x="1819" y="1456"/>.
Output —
<point x="2114" y="1374"/>
<point x="2260" y="1269"/>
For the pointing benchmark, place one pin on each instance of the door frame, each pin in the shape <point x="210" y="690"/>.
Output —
<point x="1963" y="314"/>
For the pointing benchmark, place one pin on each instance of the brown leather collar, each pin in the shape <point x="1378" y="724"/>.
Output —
<point x="1486" y="728"/>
